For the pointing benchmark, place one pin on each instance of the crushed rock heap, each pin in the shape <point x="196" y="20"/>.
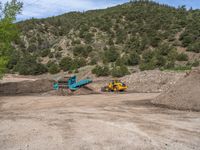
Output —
<point x="184" y="95"/>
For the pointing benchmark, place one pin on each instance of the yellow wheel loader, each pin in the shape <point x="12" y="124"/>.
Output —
<point x="115" y="86"/>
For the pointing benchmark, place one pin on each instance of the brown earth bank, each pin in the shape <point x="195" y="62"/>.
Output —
<point x="100" y="122"/>
<point x="26" y="87"/>
<point x="185" y="94"/>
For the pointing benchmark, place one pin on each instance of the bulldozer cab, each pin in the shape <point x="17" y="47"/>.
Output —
<point x="117" y="82"/>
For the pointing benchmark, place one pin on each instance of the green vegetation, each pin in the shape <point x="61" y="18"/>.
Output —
<point x="69" y="64"/>
<point x="196" y="63"/>
<point x="111" y="54"/>
<point x="28" y="65"/>
<point x="101" y="71"/>
<point x="119" y="71"/>
<point x="66" y="64"/>
<point x="133" y="59"/>
<point x="116" y="71"/>
<point x="138" y="33"/>
<point x="82" y="51"/>
<point x="182" y="57"/>
<point x="8" y="31"/>
<point x="53" y="68"/>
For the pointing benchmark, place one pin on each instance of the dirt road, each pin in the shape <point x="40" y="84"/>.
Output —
<point x="95" y="122"/>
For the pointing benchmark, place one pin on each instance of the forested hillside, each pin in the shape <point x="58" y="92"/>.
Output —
<point x="138" y="33"/>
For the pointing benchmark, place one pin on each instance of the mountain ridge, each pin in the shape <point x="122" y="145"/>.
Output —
<point x="139" y="33"/>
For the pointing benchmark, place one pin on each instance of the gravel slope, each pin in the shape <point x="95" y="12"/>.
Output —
<point x="185" y="94"/>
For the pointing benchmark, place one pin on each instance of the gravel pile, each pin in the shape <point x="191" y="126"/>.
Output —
<point x="184" y="95"/>
<point x="152" y="81"/>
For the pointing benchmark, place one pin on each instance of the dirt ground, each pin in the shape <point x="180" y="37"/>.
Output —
<point x="95" y="122"/>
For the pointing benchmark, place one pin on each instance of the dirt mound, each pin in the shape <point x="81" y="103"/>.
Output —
<point x="184" y="95"/>
<point x="25" y="87"/>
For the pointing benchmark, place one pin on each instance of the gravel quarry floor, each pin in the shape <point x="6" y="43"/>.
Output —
<point x="95" y="122"/>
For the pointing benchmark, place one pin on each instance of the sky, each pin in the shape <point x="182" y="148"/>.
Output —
<point x="47" y="8"/>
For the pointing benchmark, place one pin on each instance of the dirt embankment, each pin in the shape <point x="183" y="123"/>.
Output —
<point x="26" y="87"/>
<point x="184" y="95"/>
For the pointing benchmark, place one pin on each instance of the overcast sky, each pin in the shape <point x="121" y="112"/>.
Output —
<point x="46" y="8"/>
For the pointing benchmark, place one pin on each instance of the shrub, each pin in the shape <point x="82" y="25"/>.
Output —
<point x="120" y="61"/>
<point x="161" y="61"/>
<point x="58" y="55"/>
<point x="187" y="40"/>
<point x="76" y="71"/>
<point x="181" y="68"/>
<point x="169" y="65"/>
<point x="111" y="54"/>
<point x="147" y="66"/>
<point x="93" y="61"/>
<point x="149" y="61"/>
<point x="147" y="56"/>
<point x="54" y="68"/>
<point x="14" y="58"/>
<point x="66" y="64"/>
<point x="49" y="63"/>
<point x="119" y="71"/>
<point x="60" y="48"/>
<point x="51" y="55"/>
<point x="196" y="63"/>
<point x="172" y="55"/>
<point x="40" y="69"/>
<point x="101" y="71"/>
<point x="155" y="41"/>
<point x="45" y="52"/>
<point x="110" y="42"/>
<point x="133" y="59"/>
<point x="164" y="49"/>
<point x="182" y="57"/>
<point x="32" y="48"/>
<point x="29" y="66"/>
<point x="194" y="47"/>
<point x="82" y="51"/>
<point x="88" y="37"/>
<point x="76" y="42"/>
<point x="80" y="62"/>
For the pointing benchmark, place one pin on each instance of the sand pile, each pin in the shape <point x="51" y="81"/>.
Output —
<point x="25" y="87"/>
<point x="184" y="95"/>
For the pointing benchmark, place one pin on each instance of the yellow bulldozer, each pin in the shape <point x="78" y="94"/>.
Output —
<point x="115" y="86"/>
